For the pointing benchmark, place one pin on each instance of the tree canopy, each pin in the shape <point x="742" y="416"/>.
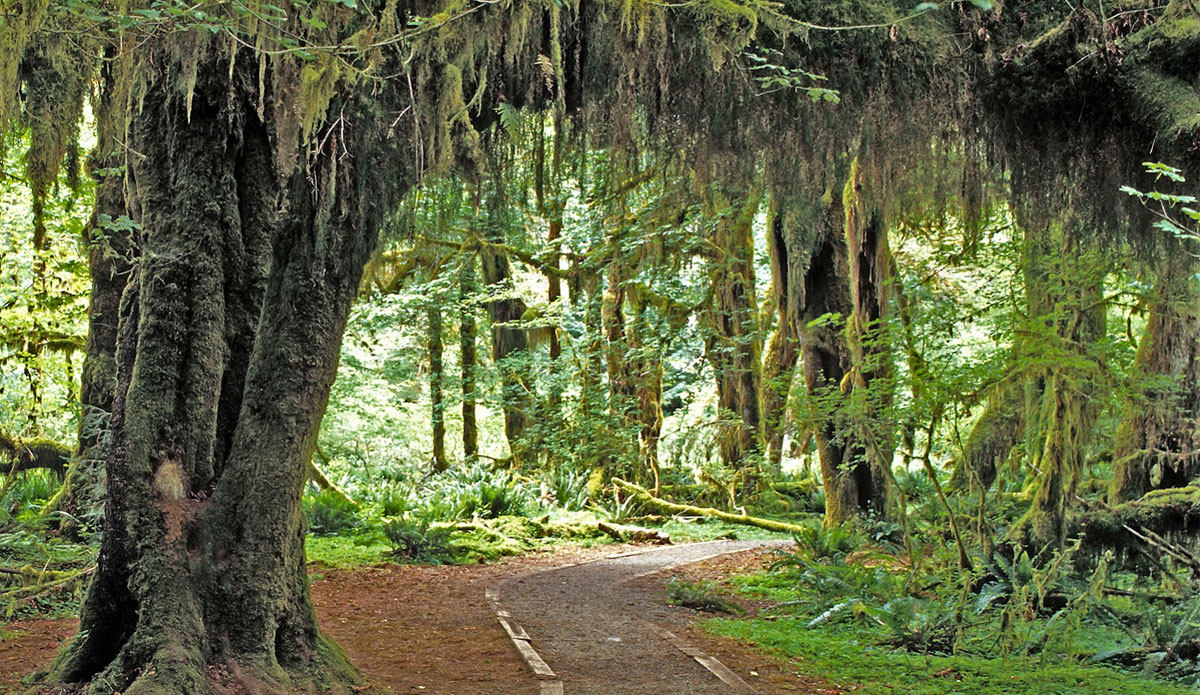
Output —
<point x="770" y="188"/>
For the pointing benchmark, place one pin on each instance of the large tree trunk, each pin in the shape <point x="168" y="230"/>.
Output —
<point x="620" y="363"/>
<point x="734" y="345"/>
<point x="616" y="352"/>
<point x="646" y="360"/>
<point x="849" y="455"/>
<point x="1063" y="399"/>
<point x="1158" y="442"/>
<point x="508" y="342"/>
<point x="228" y="341"/>
<point x="1013" y="404"/>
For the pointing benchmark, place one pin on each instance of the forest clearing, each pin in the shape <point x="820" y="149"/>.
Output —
<point x="582" y="346"/>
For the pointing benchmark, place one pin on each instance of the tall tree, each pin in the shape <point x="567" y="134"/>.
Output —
<point x="468" y="361"/>
<point x="735" y="344"/>
<point x="437" y="418"/>
<point x="1158" y="442"/>
<point x="782" y="350"/>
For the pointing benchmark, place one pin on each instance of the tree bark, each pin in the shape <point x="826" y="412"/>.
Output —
<point x="436" y="376"/>
<point x="1061" y="421"/>
<point x="1158" y="442"/>
<point x="508" y="342"/>
<point x="734" y="345"/>
<point x="782" y="351"/>
<point x="468" y="360"/>
<point x="646" y="360"/>
<point x="850" y="471"/>
<point x="228" y="341"/>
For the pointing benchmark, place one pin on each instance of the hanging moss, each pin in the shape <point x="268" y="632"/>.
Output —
<point x="19" y="23"/>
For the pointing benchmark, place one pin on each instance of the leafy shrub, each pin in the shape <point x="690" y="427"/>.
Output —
<point x="329" y="513"/>
<point x="393" y="499"/>
<point x="569" y="489"/>
<point x="487" y="493"/>
<point x="491" y="500"/>
<point x="701" y="595"/>
<point x="833" y="543"/>
<point x="418" y="540"/>
<point x="29" y="489"/>
<point x="914" y="624"/>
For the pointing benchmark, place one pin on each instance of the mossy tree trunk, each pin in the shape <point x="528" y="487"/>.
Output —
<point x="228" y="340"/>
<point x="850" y="464"/>
<point x="870" y="341"/>
<point x="1158" y="442"/>
<point x="734" y="344"/>
<point x="436" y="377"/>
<point x="612" y="318"/>
<point x="1013" y="405"/>
<point x="646" y="361"/>
<point x="1062" y="397"/>
<point x="110" y="246"/>
<point x="468" y="359"/>
<point x="782" y="350"/>
<point x="622" y="366"/>
<point x="509" y="341"/>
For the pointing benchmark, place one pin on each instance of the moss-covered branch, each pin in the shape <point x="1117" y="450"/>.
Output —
<point x="643" y="495"/>
<point x="28" y="454"/>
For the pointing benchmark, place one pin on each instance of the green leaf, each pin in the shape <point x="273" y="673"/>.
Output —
<point x="1163" y="170"/>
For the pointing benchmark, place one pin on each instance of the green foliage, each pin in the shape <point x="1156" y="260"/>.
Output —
<point x="417" y="541"/>
<point x="329" y="513"/>
<point x="700" y="595"/>
<point x="822" y="543"/>
<point x="883" y="671"/>
<point x="43" y="306"/>
<point x="489" y="494"/>
<point x="1175" y="212"/>
<point x="27" y="492"/>
<point x="348" y="552"/>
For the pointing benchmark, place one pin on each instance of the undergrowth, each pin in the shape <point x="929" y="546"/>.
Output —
<point x="1012" y="624"/>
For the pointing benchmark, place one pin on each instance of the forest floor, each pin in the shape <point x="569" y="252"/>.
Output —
<point x="429" y="629"/>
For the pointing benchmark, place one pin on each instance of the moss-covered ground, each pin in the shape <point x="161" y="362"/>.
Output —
<point x="850" y="656"/>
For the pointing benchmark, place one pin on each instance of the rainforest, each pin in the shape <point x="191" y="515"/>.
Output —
<point x="599" y="346"/>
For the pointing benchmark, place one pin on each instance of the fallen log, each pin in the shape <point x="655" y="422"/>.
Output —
<point x="25" y="455"/>
<point x="633" y="534"/>
<point x="643" y="495"/>
<point x="318" y="478"/>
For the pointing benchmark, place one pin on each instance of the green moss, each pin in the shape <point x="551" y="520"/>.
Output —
<point x="348" y="551"/>
<point x="880" y="670"/>
<point x="1167" y="104"/>
<point x="682" y="531"/>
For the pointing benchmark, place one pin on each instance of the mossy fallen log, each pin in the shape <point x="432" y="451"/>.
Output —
<point x="318" y="478"/>
<point x="1156" y="519"/>
<point x="633" y="534"/>
<point x="643" y="495"/>
<point x="518" y="529"/>
<point x="28" y="454"/>
<point x="797" y="489"/>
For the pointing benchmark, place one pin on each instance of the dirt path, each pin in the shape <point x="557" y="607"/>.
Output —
<point x="417" y="629"/>
<point x="603" y="632"/>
